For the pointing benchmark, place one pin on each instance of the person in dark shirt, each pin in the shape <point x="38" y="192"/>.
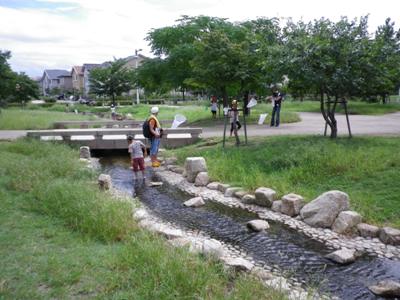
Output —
<point x="276" y="99"/>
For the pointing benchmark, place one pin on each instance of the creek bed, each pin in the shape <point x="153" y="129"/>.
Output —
<point x="280" y="248"/>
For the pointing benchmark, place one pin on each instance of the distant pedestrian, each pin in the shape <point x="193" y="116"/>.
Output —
<point x="276" y="99"/>
<point x="234" y="119"/>
<point x="137" y="151"/>
<point x="113" y="112"/>
<point x="214" y="106"/>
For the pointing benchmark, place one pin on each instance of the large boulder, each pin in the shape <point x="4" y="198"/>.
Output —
<point x="343" y="256"/>
<point x="322" y="211"/>
<point x="291" y="204"/>
<point x="388" y="288"/>
<point x="194" y="202"/>
<point x="265" y="196"/>
<point x="193" y="166"/>
<point x="390" y="235"/>
<point x="84" y="152"/>
<point x="346" y="221"/>
<point x="258" y="225"/>
<point x="104" y="181"/>
<point x="201" y="179"/>
<point x="367" y="230"/>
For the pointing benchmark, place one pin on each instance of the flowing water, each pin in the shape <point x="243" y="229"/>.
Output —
<point x="285" y="250"/>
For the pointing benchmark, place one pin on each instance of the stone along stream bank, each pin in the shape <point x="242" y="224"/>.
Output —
<point x="289" y="254"/>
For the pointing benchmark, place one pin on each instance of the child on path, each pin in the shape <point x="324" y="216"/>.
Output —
<point x="214" y="106"/>
<point x="234" y="119"/>
<point x="135" y="149"/>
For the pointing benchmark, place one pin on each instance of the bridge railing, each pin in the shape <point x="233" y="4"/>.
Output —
<point x="115" y="138"/>
<point x="103" y="123"/>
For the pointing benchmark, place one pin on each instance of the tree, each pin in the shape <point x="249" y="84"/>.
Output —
<point x="113" y="80"/>
<point x="14" y="86"/>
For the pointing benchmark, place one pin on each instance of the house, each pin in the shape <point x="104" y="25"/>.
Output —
<point x="86" y="68"/>
<point x="55" y="79"/>
<point x="132" y="62"/>
<point x="77" y="78"/>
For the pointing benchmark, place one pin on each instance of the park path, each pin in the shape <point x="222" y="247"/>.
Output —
<point x="311" y="123"/>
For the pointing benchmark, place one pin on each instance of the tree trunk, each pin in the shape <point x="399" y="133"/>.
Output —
<point x="329" y="113"/>
<point x="245" y="102"/>
<point x="224" y="96"/>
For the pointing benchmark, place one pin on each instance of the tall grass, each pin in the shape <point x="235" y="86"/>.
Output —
<point x="63" y="239"/>
<point x="368" y="169"/>
<point x="18" y="119"/>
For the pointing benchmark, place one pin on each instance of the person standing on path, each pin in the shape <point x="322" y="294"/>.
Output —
<point x="156" y="133"/>
<point x="276" y="99"/>
<point x="234" y="119"/>
<point x="214" y="106"/>
<point x="113" y="112"/>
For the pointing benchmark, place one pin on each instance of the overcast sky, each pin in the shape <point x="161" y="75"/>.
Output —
<point x="56" y="34"/>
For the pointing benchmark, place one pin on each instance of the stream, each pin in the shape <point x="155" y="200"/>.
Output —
<point x="282" y="249"/>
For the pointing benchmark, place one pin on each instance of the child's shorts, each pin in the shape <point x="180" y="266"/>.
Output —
<point x="138" y="164"/>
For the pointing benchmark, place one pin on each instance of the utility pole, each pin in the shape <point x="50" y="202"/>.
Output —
<point x="136" y="66"/>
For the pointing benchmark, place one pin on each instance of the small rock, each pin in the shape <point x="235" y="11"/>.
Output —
<point x="239" y="194"/>
<point x="84" y="152"/>
<point x="180" y="242"/>
<point x="389" y="235"/>
<point x="265" y="196"/>
<point x="389" y="288"/>
<point x="201" y="179"/>
<point x="229" y="192"/>
<point x="343" y="256"/>
<point x="170" y="233"/>
<point x="367" y="230"/>
<point x="258" y="225"/>
<point x="291" y="204"/>
<point x="276" y="206"/>
<point x="213" y="248"/>
<point x="104" y="181"/>
<point x="171" y="160"/>
<point x="194" y="202"/>
<point x="346" y="221"/>
<point x="222" y="187"/>
<point x="213" y="186"/>
<point x="178" y="170"/>
<point x="261" y="273"/>
<point x="248" y="199"/>
<point x="155" y="183"/>
<point x="140" y="214"/>
<point x="239" y="264"/>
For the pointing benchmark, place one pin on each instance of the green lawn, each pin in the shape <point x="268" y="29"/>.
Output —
<point x="368" y="169"/>
<point x="63" y="239"/>
<point x="18" y="119"/>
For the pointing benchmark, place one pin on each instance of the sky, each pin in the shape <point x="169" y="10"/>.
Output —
<point x="58" y="34"/>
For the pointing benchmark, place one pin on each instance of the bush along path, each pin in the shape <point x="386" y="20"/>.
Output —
<point x="63" y="238"/>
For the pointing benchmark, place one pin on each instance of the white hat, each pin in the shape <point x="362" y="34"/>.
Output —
<point x="154" y="110"/>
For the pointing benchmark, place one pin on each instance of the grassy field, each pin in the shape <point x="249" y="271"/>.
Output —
<point x="63" y="239"/>
<point x="368" y="169"/>
<point x="354" y="108"/>
<point x="17" y="119"/>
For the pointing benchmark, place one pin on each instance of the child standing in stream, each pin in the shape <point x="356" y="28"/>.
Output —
<point x="137" y="149"/>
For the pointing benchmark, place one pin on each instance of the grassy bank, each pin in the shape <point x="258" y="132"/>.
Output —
<point x="63" y="239"/>
<point x="17" y="119"/>
<point x="368" y="169"/>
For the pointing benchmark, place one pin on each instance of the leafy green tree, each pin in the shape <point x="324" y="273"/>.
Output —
<point x="113" y="80"/>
